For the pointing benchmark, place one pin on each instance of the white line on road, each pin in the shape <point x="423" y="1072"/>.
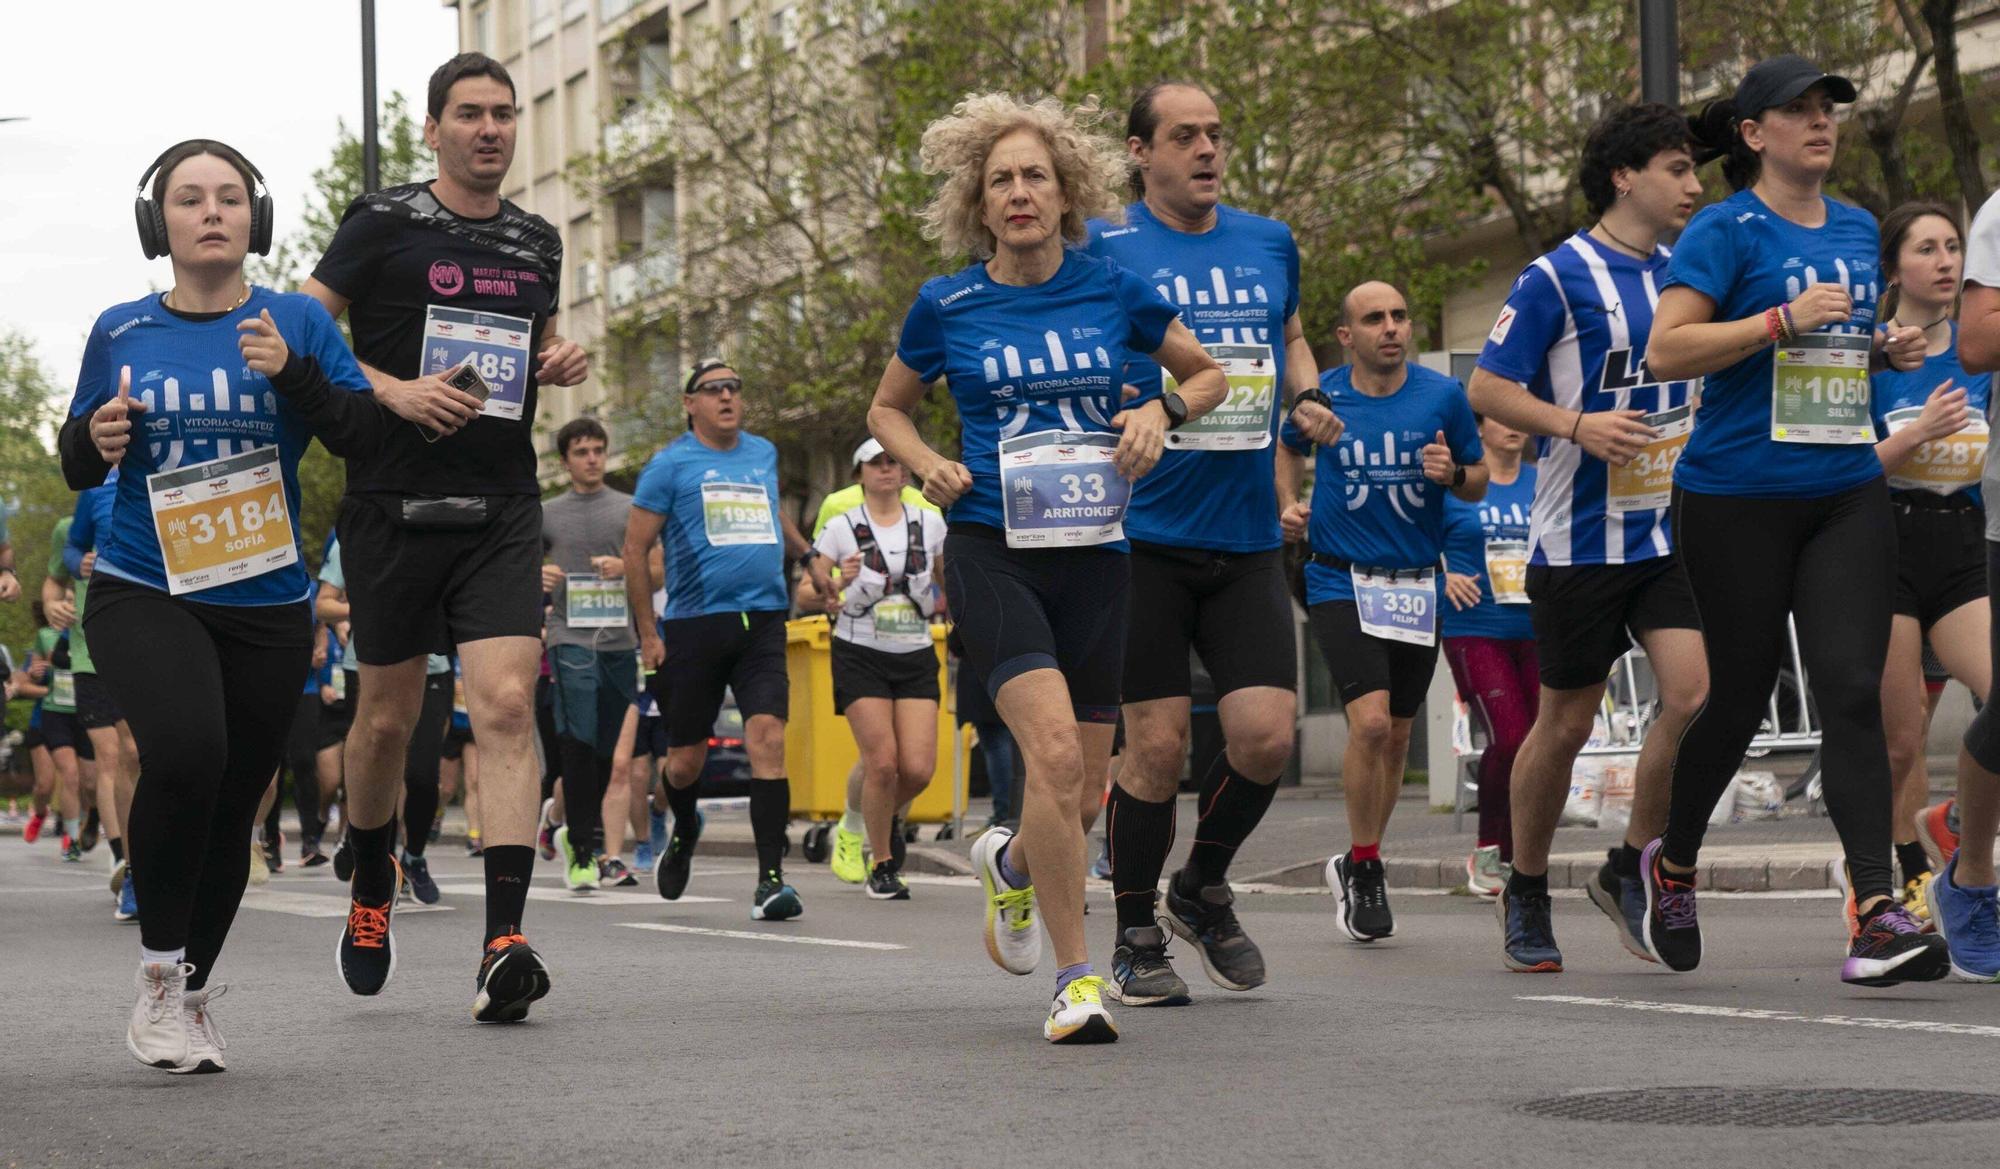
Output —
<point x="746" y="935"/>
<point x="315" y="905"/>
<point x="595" y="897"/>
<point x="1761" y="1015"/>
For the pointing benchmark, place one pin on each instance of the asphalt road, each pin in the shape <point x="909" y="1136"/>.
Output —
<point x="879" y="1034"/>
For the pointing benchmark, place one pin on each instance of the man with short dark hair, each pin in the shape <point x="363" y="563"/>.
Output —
<point x="451" y="295"/>
<point x="590" y="645"/>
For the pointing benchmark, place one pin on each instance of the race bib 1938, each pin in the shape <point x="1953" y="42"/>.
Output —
<point x="737" y="513"/>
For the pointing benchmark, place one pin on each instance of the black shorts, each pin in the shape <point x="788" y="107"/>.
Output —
<point x="417" y="592"/>
<point x="862" y="672"/>
<point x="1021" y="609"/>
<point x="1232" y="608"/>
<point x="33" y="738"/>
<point x="652" y="738"/>
<point x="60" y="729"/>
<point x="455" y="740"/>
<point x="336" y="718"/>
<point x="95" y="708"/>
<point x="740" y="652"/>
<point x="1362" y="663"/>
<point x="1587" y="616"/>
<point x="1940" y="554"/>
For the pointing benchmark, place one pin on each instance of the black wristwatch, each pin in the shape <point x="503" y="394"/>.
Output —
<point x="804" y="559"/>
<point x="1458" y="476"/>
<point x="1313" y="394"/>
<point x="1176" y="409"/>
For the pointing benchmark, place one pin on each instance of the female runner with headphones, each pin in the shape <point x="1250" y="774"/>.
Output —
<point x="205" y="398"/>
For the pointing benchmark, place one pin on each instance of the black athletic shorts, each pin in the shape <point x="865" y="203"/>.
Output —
<point x="33" y="737"/>
<point x="1362" y="663"/>
<point x="421" y="591"/>
<point x="336" y="718"/>
<point x="860" y="671"/>
<point x="1232" y="608"/>
<point x="60" y="729"/>
<point x="1940" y="554"/>
<point x="95" y="708"/>
<point x="1021" y="609"/>
<point x="455" y="740"/>
<point x="1587" y="616"/>
<point x="740" y="652"/>
<point x="652" y="738"/>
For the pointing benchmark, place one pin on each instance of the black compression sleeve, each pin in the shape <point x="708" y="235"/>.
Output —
<point x="83" y="468"/>
<point x="344" y="421"/>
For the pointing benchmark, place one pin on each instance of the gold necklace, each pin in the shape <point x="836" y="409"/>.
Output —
<point x="168" y="299"/>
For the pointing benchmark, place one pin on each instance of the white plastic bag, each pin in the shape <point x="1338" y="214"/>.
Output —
<point x="1757" y="795"/>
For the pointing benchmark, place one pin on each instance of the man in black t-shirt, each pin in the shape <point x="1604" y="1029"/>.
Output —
<point x="441" y="526"/>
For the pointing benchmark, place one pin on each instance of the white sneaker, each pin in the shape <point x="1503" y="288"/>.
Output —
<point x="1013" y="932"/>
<point x="1485" y="873"/>
<point x="260" y="873"/>
<point x="203" y="1036"/>
<point x="157" y="1034"/>
<point x="117" y="878"/>
<point x="1078" y="1014"/>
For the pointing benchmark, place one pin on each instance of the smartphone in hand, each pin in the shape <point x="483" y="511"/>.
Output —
<point x="463" y="378"/>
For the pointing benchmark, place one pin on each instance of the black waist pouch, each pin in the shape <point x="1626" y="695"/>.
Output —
<point x="445" y="513"/>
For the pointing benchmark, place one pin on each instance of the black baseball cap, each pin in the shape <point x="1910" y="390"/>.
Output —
<point x="1778" y="80"/>
<point x="704" y="366"/>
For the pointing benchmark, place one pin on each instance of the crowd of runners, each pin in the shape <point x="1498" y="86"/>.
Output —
<point x="1782" y="416"/>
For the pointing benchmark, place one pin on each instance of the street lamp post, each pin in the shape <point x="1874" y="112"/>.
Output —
<point x="1659" y="51"/>
<point x="371" y="149"/>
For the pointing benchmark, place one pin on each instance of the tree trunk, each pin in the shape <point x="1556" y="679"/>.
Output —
<point x="1885" y="140"/>
<point x="1941" y="16"/>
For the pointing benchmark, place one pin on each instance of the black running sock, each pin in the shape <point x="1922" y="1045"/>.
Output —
<point x="1520" y="884"/>
<point x="583" y="793"/>
<point x="509" y="868"/>
<point x="1624" y="862"/>
<point x="1231" y="806"/>
<point x="681" y="802"/>
<point x="374" y="876"/>
<point x="1140" y="834"/>
<point x="604" y="769"/>
<point x="1910" y="857"/>
<point x="420" y="806"/>
<point x="770" y="809"/>
<point x="117" y="848"/>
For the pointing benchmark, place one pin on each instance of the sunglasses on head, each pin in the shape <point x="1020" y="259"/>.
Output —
<point x="721" y="385"/>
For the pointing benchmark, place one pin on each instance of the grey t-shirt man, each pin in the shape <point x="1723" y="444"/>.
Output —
<point x="1982" y="267"/>
<point x="576" y="527"/>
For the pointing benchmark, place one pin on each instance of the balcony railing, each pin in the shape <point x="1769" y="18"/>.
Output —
<point x="638" y="133"/>
<point x="644" y="275"/>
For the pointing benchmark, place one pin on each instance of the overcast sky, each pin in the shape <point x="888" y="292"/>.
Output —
<point x="107" y="85"/>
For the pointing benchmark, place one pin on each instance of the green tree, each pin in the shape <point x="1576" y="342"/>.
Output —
<point x="31" y="485"/>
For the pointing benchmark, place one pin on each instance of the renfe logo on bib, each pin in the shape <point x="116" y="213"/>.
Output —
<point x="1060" y="490"/>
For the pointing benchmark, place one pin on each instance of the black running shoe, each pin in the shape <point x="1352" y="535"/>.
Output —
<point x="1141" y="976"/>
<point x="417" y="873"/>
<point x="774" y="900"/>
<point x="310" y="856"/>
<point x="671" y="873"/>
<point x="343" y="861"/>
<point x="511" y="975"/>
<point x="274" y="854"/>
<point x="612" y="873"/>
<point x="899" y="845"/>
<point x="1207" y="918"/>
<point x="1361" y="897"/>
<point x="886" y="884"/>
<point x="366" y="954"/>
<point x="1528" y="933"/>
<point x="1673" y="933"/>
<point x="1623" y="900"/>
<point x="1891" y="947"/>
<point x="87" y="839"/>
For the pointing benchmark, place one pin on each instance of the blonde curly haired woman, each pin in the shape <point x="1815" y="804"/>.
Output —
<point x="1032" y="339"/>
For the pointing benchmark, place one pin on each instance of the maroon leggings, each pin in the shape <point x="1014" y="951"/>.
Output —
<point x="1497" y="679"/>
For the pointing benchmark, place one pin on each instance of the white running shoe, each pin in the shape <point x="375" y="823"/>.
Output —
<point x="260" y="873"/>
<point x="118" y="869"/>
<point x="1485" y="873"/>
<point x="1078" y="1014"/>
<point x="203" y="1036"/>
<point x="157" y="1035"/>
<point x="1013" y="932"/>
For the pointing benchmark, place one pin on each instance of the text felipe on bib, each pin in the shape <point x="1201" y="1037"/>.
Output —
<point x="594" y="602"/>
<point x="1820" y="390"/>
<point x="1059" y="489"/>
<point x="1647" y="482"/>
<point x="1507" y="570"/>
<point x="1242" y="421"/>
<point x="737" y="513"/>
<point x="495" y="345"/>
<point x="1943" y="465"/>
<point x="1398" y="606"/>
<point x="222" y="521"/>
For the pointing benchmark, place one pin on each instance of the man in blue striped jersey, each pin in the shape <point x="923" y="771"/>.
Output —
<point x="1567" y="361"/>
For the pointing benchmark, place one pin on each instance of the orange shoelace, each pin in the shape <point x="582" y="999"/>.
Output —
<point x="369" y="924"/>
<point x="503" y="941"/>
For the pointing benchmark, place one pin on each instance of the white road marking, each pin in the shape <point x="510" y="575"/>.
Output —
<point x="596" y="897"/>
<point x="1761" y="1015"/>
<point x="315" y="905"/>
<point x="748" y="936"/>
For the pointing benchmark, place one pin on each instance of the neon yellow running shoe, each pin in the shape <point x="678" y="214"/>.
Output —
<point x="1914" y="901"/>
<point x="849" y="862"/>
<point x="1013" y="932"/>
<point x="579" y="873"/>
<point x="1078" y="1014"/>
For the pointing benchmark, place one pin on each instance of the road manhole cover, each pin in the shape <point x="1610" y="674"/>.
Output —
<point x="1768" y="1107"/>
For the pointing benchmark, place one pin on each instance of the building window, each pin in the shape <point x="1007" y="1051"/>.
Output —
<point x="785" y="27"/>
<point x="545" y="135"/>
<point x="741" y="40"/>
<point x="541" y="19"/>
<point x="482" y="29"/>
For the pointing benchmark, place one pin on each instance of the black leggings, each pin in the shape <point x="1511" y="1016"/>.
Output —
<point x="1830" y="563"/>
<point x="302" y="763"/>
<point x="1982" y="738"/>
<point x="209" y="691"/>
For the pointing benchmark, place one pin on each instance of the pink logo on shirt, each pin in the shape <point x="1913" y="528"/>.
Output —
<point x="447" y="278"/>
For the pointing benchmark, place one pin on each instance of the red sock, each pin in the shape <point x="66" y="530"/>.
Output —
<point x="1364" y="852"/>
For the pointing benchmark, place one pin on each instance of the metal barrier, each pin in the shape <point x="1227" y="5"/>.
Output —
<point x="1631" y="701"/>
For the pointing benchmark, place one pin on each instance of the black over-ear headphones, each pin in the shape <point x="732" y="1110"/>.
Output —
<point x="153" y="221"/>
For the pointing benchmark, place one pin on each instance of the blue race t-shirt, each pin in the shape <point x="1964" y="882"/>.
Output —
<point x="1574" y="332"/>
<point x="1468" y="528"/>
<point x="1235" y="285"/>
<point x="1896" y="390"/>
<point x="203" y="403"/>
<point x="1371" y="504"/>
<point x="1024" y="360"/>
<point x="1747" y="258"/>
<point x="725" y="551"/>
